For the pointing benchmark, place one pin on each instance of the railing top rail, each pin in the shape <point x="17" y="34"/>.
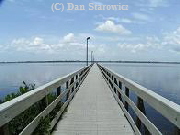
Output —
<point x="167" y="108"/>
<point x="12" y="108"/>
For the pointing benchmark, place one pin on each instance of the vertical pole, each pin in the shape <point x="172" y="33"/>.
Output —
<point x="4" y="130"/>
<point x="140" y="106"/>
<point x="120" y="86"/>
<point x="43" y="103"/>
<point x="67" y="86"/>
<point x="127" y="94"/>
<point x="76" y="85"/>
<point x="176" y="131"/>
<point x="58" y="91"/>
<point x="72" y="83"/>
<point x="87" y="49"/>
<point x="114" y="83"/>
<point x="87" y="52"/>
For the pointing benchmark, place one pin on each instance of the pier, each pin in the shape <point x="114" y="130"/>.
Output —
<point x="91" y="101"/>
<point x="94" y="110"/>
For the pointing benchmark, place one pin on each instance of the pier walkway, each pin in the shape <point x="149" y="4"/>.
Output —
<point x="94" y="100"/>
<point x="93" y="110"/>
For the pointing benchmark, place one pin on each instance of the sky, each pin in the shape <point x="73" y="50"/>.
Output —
<point x="148" y="31"/>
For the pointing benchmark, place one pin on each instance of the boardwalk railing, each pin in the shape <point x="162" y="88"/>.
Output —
<point x="121" y="87"/>
<point x="10" y="109"/>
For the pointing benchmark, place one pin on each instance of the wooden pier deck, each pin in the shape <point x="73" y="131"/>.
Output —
<point x="93" y="110"/>
<point x="98" y="102"/>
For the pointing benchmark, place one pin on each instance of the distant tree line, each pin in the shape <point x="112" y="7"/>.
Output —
<point x="100" y="61"/>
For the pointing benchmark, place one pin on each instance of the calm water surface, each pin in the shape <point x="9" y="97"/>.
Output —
<point x="161" y="78"/>
<point x="164" y="79"/>
<point x="12" y="75"/>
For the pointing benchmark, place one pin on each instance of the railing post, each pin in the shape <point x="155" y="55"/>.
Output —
<point x="76" y="85"/>
<point x="67" y="86"/>
<point x="43" y="103"/>
<point x="114" y="83"/>
<point x="176" y="131"/>
<point x="126" y="103"/>
<point x="109" y="78"/>
<point x="4" y="130"/>
<point x="120" y="86"/>
<point x="140" y="106"/>
<point x="72" y="90"/>
<point x="58" y="91"/>
<point x="79" y="80"/>
<point x="73" y="80"/>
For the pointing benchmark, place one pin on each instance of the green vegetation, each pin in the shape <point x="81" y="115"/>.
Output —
<point x="43" y="127"/>
<point x="22" y="89"/>
<point x="18" y="123"/>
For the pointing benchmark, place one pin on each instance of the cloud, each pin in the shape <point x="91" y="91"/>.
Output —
<point x="115" y="19"/>
<point x="151" y="43"/>
<point x="133" y="47"/>
<point x="35" y="45"/>
<point x="168" y="42"/>
<point x="25" y="42"/>
<point x="157" y="3"/>
<point x="172" y="40"/>
<point x="69" y="42"/>
<point x="38" y="41"/>
<point x="72" y="39"/>
<point x="69" y="38"/>
<point x="97" y="3"/>
<point x="76" y="44"/>
<point x="20" y="41"/>
<point x="153" y="3"/>
<point x="142" y="17"/>
<point x="111" y="27"/>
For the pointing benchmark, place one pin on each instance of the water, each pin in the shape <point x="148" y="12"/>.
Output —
<point x="12" y="75"/>
<point x="164" y="79"/>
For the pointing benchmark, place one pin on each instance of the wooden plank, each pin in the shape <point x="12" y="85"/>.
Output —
<point x="55" y="120"/>
<point x="130" y="119"/>
<point x="31" y="126"/>
<point x="126" y="106"/>
<point x="4" y="130"/>
<point x="93" y="110"/>
<point x="151" y="127"/>
<point x="49" y="108"/>
<point x="10" y="109"/>
<point x="58" y="90"/>
<point x="128" y="116"/>
<point x="140" y="106"/>
<point x="53" y="123"/>
<point x="167" y="108"/>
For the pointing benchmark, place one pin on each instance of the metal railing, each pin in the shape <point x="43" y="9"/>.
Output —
<point x="10" y="109"/>
<point x="121" y="88"/>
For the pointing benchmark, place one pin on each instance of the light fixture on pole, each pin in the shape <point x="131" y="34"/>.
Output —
<point x="87" y="49"/>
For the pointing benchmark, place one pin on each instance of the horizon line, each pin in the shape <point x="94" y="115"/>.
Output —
<point x="100" y="61"/>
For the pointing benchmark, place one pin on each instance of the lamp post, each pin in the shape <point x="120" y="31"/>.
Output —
<point x="87" y="49"/>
